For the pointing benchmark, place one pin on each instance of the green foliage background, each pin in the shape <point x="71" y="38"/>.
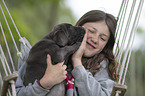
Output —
<point x="34" y="19"/>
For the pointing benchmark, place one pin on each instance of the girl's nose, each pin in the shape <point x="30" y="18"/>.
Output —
<point x="95" y="39"/>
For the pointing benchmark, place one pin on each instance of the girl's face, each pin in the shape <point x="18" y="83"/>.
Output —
<point x="97" y="38"/>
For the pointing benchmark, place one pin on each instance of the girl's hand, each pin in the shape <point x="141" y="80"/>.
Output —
<point x="77" y="56"/>
<point x="54" y="74"/>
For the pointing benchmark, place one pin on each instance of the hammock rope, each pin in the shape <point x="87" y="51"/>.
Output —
<point x="12" y="19"/>
<point x="4" y="62"/>
<point x="21" y="39"/>
<point x="10" y="56"/>
<point x="132" y="36"/>
<point x="18" y="53"/>
<point x="119" y="32"/>
<point x="127" y="54"/>
<point x="126" y="29"/>
<point x="1" y="79"/>
<point x="120" y="20"/>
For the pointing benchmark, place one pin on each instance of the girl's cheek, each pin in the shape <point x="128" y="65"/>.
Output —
<point x="88" y="34"/>
<point x="102" y="46"/>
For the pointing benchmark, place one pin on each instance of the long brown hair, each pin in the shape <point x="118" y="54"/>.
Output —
<point x="93" y="64"/>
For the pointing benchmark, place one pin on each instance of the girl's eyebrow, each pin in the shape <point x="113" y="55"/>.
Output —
<point x="97" y="30"/>
<point x="105" y="35"/>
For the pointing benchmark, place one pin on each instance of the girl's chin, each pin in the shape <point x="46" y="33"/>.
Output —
<point x="88" y="55"/>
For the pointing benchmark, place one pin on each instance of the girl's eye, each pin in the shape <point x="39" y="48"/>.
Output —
<point x="91" y="31"/>
<point x="103" y="39"/>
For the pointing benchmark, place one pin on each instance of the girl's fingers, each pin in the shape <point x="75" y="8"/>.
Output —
<point x="48" y="60"/>
<point x="83" y="44"/>
<point x="64" y="67"/>
<point x="65" y="72"/>
<point x="61" y="63"/>
<point x="85" y="37"/>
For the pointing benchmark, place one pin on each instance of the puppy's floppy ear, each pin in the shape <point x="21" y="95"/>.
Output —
<point x="54" y="31"/>
<point x="63" y="26"/>
<point x="51" y="34"/>
<point x="60" y="34"/>
<point x="61" y="39"/>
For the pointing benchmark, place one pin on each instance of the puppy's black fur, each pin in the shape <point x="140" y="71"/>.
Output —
<point x="60" y="43"/>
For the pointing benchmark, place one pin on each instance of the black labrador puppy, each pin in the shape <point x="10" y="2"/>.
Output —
<point x="60" y="43"/>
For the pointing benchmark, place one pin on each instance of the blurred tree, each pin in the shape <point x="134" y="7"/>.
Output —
<point x="35" y="18"/>
<point x="135" y="78"/>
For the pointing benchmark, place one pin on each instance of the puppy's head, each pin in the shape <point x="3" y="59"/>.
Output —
<point x="76" y="34"/>
<point x="66" y="34"/>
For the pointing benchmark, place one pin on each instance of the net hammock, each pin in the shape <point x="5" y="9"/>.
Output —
<point x="128" y="18"/>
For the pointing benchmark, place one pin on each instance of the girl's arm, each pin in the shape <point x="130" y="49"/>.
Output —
<point x="31" y="89"/>
<point x="99" y="85"/>
<point x="54" y="74"/>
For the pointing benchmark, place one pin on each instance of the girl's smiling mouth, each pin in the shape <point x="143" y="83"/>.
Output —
<point x="90" y="45"/>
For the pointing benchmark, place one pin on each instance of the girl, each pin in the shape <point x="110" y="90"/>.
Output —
<point x="94" y="65"/>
